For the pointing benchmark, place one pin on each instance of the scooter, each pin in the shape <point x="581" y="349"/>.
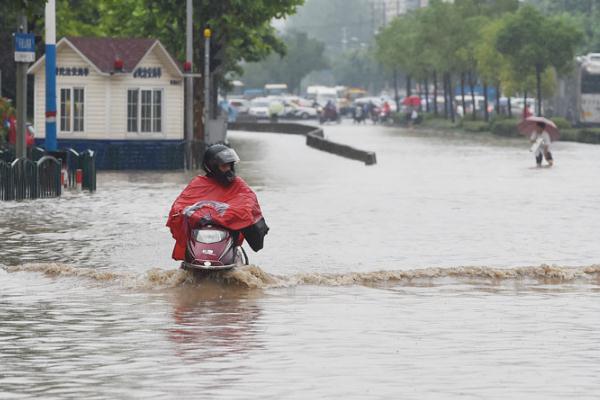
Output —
<point x="213" y="248"/>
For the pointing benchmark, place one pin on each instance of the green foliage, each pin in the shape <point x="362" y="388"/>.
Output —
<point x="582" y="135"/>
<point x="475" y="126"/>
<point x="561" y="123"/>
<point x="533" y="43"/>
<point x="303" y="56"/>
<point x="6" y="111"/>
<point x="505" y="127"/>
<point x="357" y="68"/>
<point x="589" y="135"/>
<point x="241" y="29"/>
<point x="333" y="21"/>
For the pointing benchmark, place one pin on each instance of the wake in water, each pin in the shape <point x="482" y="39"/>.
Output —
<point x="253" y="277"/>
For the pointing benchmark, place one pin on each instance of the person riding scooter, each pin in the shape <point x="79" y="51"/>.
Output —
<point x="219" y="198"/>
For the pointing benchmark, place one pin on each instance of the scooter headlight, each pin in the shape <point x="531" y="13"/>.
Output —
<point x="209" y="235"/>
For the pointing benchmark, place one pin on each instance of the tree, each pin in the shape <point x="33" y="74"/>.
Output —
<point x="32" y="9"/>
<point x="397" y="47"/>
<point x="303" y="55"/>
<point x="358" y="68"/>
<point x="534" y="42"/>
<point x="342" y="25"/>
<point x="241" y="30"/>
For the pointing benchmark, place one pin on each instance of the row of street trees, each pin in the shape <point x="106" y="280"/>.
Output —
<point x="515" y="48"/>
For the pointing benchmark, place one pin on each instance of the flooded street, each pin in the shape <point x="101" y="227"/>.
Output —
<point x="451" y="269"/>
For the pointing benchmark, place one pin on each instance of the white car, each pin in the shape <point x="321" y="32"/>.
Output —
<point x="259" y="108"/>
<point x="241" y="105"/>
<point x="302" y="112"/>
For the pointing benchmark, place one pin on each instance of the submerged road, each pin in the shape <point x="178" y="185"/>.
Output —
<point x="347" y="298"/>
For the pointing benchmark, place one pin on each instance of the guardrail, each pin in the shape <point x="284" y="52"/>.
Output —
<point x="26" y="179"/>
<point x="315" y="138"/>
<point x="45" y="174"/>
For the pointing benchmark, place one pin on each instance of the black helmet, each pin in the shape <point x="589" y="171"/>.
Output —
<point x="219" y="154"/>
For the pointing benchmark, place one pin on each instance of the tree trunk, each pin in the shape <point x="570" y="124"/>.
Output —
<point x="538" y="81"/>
<point x="451" y="98"/>
<point x="396" y="96"/>
<point x="215" y="110"/>
<point x="462" y="92"/>
<point x="198" y="132"/>
<point x="509" y="107"/>
<point x="445" y="79"/>
<point x="524" y="104"/>
<point x="435" y="93"/>
<point x="497" y="99"/>
<point x="485" y="102"/>
<point x="408" y="86"/>
<point x="426" y="95"/>
<point x="474" y="111"/>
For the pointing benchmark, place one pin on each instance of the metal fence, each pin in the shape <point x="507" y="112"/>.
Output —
<point x="86" y="162"/>
<point x="41" y="175"/>
<point x="26" y="179"/>
<point x="49" y="173"/>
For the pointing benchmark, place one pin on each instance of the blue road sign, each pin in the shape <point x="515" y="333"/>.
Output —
<point x="24" y="47"/>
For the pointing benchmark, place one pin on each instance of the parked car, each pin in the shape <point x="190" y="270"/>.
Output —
<point x="259" y="108"/>
<point x="242" y="106"/>
<point x="301" y="112"/>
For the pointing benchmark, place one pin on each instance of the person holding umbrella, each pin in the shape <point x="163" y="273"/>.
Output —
<point x="540" y="144"/>
<point x="542" y="132"/>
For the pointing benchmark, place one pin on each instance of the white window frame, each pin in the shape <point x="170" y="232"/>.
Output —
<point x="71" y="90"/>
<point x="152" y="117"/>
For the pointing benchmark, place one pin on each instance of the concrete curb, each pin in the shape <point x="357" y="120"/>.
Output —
<point x="314" y="138"/>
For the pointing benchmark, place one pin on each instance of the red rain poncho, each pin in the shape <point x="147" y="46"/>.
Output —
<point x="240" y="209"/>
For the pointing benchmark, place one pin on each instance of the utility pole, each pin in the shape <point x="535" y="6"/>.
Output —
<point x="207" y="35"/>
<point x="50" y="22"/>
<point x="189" y="87"/>
<point x="21" y="145"/>
<point x="344" y="39"/>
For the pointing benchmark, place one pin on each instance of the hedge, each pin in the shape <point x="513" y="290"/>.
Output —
<point x="583" y="135"/>
<point x="505" y="127"/>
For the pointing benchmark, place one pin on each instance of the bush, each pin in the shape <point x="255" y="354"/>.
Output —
<point x="439" y="122"/>
<point x="569" y="135"/>
<point x="589" y="135"/>
<point x="505" y="127"/>
<point x="583" y="135"/>
<point x="475" y="126"/>
<point x="561" y="123"/>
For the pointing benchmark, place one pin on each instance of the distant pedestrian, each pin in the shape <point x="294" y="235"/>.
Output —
<point x="541" y="141"/>
<point x="526" y="112"/>
<point x="414" y="117"/>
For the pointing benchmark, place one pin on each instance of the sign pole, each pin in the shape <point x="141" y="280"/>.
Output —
<point x="50" y="20"/>
<point x="207" y="34"/>
<point x="21" y="144"/>
<point x="189" y="88"/>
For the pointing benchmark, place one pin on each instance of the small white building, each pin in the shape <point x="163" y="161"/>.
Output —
<point x="110" y="91"/>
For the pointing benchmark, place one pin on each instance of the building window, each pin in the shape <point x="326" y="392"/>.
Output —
<point x="144" y="110"/>
<point x="78" y="109"/>
<point x="132" y="110"/>
<point x="65" y="110"/>
<point x="71" y="109"/>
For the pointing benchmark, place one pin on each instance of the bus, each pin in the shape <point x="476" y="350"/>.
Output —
<point x="276" y="89"/>
<point x="577" y="97"/>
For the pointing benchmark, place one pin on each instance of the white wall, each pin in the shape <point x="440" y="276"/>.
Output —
<point x="105" y="115"/>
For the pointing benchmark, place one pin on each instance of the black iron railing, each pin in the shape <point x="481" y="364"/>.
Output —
<point x="26" y="179"/>
<point x="49" y="177"/>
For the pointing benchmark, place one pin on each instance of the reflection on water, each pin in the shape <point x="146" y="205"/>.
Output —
<point x="212" y="320"/>
<point x="451" y="269"/>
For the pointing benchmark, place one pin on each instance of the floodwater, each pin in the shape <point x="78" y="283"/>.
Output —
<point x="451" y="269"/>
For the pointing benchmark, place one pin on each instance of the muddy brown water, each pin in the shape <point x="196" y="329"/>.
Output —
<point x="451" y="269"/>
